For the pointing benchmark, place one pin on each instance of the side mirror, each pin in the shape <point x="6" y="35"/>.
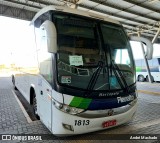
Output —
<point x="51" y="35"/>
<point x="148" y="44"/>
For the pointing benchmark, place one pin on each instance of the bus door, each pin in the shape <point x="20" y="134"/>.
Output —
<point x="45" y="102"/>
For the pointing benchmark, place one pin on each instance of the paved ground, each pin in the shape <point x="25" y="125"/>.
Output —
<point x="13" y="121"/>
<point x="149" y="88"/>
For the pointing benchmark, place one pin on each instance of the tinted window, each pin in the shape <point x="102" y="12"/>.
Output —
<point x="83" y="47"/>
<point x="158" y="60"/>
<point x="150" y="62"/>
<point x="138" y="63"/>
<point x="155" y="62"/>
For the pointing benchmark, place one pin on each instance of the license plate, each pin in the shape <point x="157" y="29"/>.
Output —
<point x="109" y="123"/>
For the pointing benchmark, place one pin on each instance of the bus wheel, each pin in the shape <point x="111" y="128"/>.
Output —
<point x="13" y="81"/>
<point x="35" y="106"/>
<point x="141" y="78"/>
<point x="147" y="79"/>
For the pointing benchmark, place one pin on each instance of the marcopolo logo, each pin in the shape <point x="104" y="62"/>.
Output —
<point x="125" y="99"/>
<point x="108" y="94"/>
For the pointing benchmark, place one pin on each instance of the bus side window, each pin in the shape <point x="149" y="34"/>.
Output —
<point x="158" y="61"/>
<point x="143" y="63"/>
<point x="150" y="62"/>
<point x="155" y="62"/>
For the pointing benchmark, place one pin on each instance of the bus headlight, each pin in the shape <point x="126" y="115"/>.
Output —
<point x="57" y="105"/>
<point x="66" y="108"/>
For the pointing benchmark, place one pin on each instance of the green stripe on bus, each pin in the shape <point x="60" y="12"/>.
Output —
<point x="85" y="103"/>
<point x="76" y="101"/>
<point x="79" y="102"/>
<point x="138" y="69"/>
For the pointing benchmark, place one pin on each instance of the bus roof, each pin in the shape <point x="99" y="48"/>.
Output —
<point x="74" y="11"/>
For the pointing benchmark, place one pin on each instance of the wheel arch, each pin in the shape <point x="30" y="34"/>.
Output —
<point x="13" y="78"/>
<point x="138" y="76"/>
<point x="32" y="91"/>
<point x="147" y="78"/>
<point x="141" y="78"/>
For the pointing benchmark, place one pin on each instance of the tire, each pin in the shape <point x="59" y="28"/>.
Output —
<point x="141" y="78"/>
<point x="147" y="79"/>
<point x="34" y="106"/>
<point x="13" y="81"/>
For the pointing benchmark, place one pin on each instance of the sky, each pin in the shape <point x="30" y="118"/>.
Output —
<point x="16" y="37"/>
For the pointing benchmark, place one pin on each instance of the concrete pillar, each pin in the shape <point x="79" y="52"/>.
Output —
<point x="146" y="62"/>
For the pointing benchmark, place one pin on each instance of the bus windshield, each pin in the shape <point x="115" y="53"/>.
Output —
<point x="88" y="51"/>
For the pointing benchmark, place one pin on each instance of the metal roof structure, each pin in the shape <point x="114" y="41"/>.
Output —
<point x="137" y="16"/>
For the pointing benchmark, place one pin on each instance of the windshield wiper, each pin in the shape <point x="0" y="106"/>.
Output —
<point x="94" y="77"/>
<point x="116" y="68"/>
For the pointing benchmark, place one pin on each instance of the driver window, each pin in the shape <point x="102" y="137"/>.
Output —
<point x="122" y="57"/>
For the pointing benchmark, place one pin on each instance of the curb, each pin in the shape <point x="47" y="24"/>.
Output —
<point x="22" y="108"/>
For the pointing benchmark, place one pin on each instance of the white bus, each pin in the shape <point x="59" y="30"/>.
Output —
<point x="141" y="72"/>
<point x="84" y="80"/>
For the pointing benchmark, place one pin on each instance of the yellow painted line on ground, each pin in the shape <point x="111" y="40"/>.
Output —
<point x="22" y="108"/>
<point x="148" y="92"/>
<point x="148" y="84"/>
